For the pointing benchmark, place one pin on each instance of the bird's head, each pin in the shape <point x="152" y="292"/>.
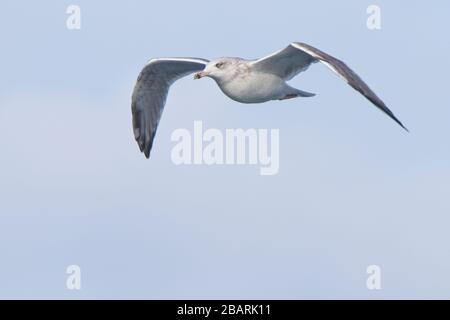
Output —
<point x="218" y="69"/>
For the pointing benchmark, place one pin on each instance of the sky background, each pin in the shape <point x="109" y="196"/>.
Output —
<point x="353" y="188"/>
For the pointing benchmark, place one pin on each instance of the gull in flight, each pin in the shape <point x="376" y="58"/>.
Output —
<point x="245" y="81"/>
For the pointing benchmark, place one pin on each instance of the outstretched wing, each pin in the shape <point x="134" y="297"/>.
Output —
<point x="297" y="57"/>
<point x="150" y="94"/>
<point x="286" y="63"/>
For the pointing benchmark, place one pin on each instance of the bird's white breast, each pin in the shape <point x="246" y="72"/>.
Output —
<point x="252" y="87"/>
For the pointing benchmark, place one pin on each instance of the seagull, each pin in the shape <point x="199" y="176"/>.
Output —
<point x="245" y="81"/>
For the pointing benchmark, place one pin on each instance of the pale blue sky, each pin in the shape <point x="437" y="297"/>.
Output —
<point x="353" y="188"/>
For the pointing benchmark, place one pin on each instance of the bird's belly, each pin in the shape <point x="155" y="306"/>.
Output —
<point x="254" y="88"/>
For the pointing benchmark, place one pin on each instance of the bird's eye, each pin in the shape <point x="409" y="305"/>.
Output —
<point x="219" y="65"/>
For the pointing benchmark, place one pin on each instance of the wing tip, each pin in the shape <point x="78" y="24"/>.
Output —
<point x="144" y="147"/>
<point x="393" y="117"/>
<point x="405" y="128"/>
<point x="145" y="150"/>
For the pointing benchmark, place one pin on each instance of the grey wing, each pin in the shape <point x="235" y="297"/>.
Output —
<point x="302" y="56"/>
<point x="286" y="63"/>
<point x="150" y="94"/>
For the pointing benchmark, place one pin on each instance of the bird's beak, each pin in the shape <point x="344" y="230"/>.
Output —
<point x="200" y="75"/>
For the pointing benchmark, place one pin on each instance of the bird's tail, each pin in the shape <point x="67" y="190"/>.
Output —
<point x="305" y="93"/>
<point x="290" y="93"/>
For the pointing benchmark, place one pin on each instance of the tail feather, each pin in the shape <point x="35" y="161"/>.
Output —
<point x="305" y="93"/>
